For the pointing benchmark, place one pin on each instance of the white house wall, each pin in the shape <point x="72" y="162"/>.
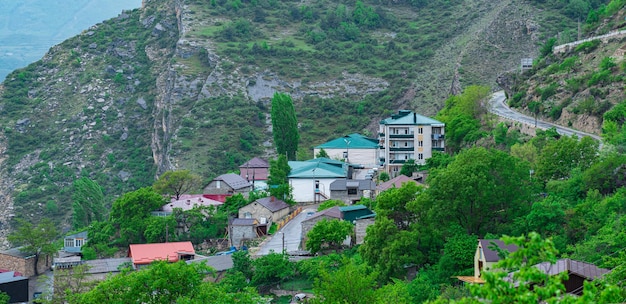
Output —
<point x="366" y="157"/>
<point x="303" y="188"/>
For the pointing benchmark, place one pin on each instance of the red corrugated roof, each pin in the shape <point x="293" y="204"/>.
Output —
<point x="148" y="253"/>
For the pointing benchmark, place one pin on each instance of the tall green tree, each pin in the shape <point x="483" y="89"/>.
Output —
<point x="87" y="203"/>
<point x="177" y="183"/>
<point x="285" y="125"/>
<point x="279" y="178"/>
<point x="559" y="157"/>
<point x="37" y="239"/>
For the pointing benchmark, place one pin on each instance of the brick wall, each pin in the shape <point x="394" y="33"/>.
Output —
<point x="24" y="265"/>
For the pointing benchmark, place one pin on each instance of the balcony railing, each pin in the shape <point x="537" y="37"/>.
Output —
<point x="381" y="134"/>
<point x="402" y="149"/>
<point x="401" y="135"/>
<point x="398" y="161"/>
<point x="438" y="149"/>
<point x="381" y="147"/>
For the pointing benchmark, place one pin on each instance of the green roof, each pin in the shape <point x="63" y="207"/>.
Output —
<point x="352" y="208"/>
<point x="357" y="141"/>
<point x="316" y="169"/>
<point x="406" y="117"/>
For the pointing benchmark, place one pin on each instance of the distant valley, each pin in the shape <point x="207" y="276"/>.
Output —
<point x="28" y="28"/>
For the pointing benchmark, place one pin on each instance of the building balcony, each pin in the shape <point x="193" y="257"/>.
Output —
<point x="381" y="134"/>
<point x="381" y="147"/>
<point x="398" y="161"/>
<point x="401" y="135"/>
<point x="437" y="136"/>
<point x="402" y="149"/>
<point x="438" y="149"/>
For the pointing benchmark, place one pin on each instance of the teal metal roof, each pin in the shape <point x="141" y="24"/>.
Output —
<point x="406" y="117"/>
<point x="352" y="208"/>
<point x="357" y="141"/>
<point x="316" y="169"/>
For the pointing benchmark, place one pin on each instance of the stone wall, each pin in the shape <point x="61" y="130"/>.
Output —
<point x="258" y="211"/>
<point x="240" y="233"/>
<point x="361" y="227"/>
<point x="25" y="266"/>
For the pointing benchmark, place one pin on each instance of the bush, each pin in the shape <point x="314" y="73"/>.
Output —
<point x="587" y="46"/>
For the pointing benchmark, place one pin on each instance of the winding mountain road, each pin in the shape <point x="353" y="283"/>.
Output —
<point x="500" y="108"/>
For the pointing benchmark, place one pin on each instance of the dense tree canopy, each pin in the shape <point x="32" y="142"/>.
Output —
<point x="130" y="214"/>
<point x="328" y="234"/>
<point x="35" y="239"/>
<point x="482" y="190"/>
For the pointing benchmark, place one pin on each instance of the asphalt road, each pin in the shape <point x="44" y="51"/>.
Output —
<point x="290" y="233"/>
<point x="500" y="108"/>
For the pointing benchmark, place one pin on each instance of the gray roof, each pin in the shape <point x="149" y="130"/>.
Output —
<point x="234" y="181"/>
<point x="217" y="262"/>
<point x="333" y="212"/>
<point x="255" y="163"/>
<point x="243" y="222"/>
<point x="10" y="276"/>
<point x="17" y="253"/>
<point x="492" y="255"/>
<point x="362" y="184"/>
<point x="82" y="234"/>
<point x="107" y="265"/>
<point x="272" y="204"/>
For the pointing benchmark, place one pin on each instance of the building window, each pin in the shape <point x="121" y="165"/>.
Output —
<point x="247" y="215"/>
<point x="406" y="131"/>
<point x="420" y="143"/>
<point x="406" y="144"/>
<point x="420" y="156"/>
<point x="420" y="130"/>
<point x="69" y="242"/>
<point x="352" y="191"/>
<point x="79" y="242"/>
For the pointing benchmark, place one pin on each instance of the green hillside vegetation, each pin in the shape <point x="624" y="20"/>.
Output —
<point x="124" y="102"/>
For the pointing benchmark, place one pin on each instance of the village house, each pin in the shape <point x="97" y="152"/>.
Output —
<point x="228" y="184"/>
<point x="353" y="149"/>
<point x="307" y="224"/>
<point x="73" y="243"/>
<point x="310" y="180"/>
<point x="265" y="210"/>
<point x="408" y="135"/>
<point x="220" y="263"/>
<point x="255" y="171"/>
<point x="395" y="182"/>
<point x="144" y="254"/>
<point x="189" y="201"/>
<point x="351" y="191"/>
<point x="24" y="263"/>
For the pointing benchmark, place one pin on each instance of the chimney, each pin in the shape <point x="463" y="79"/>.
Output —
<point x="272" y="199"/>
<point x="414" y="117"/>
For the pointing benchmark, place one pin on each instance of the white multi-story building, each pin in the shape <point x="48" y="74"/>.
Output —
<point x="408" y="135"/>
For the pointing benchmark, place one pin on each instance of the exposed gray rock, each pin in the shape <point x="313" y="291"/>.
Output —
<point x="142" y="103"/>
<point x="123" y="175"/>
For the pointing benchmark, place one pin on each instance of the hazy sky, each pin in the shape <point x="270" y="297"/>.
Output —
<point x="28" y="28"/>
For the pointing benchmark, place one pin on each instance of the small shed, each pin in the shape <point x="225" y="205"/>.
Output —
<point x="242" y="229"/>
<point x="351" y="213"/>
<point x="220" y="263"/>
<point x="15" y="286"/>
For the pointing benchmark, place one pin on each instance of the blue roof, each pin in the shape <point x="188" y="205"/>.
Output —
<point x="317" y="168"/>
<point x="357" y="141"/>
<point x="407" y="117"/>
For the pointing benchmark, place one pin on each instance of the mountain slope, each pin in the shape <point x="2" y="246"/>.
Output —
<point x="187" y="84"/>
